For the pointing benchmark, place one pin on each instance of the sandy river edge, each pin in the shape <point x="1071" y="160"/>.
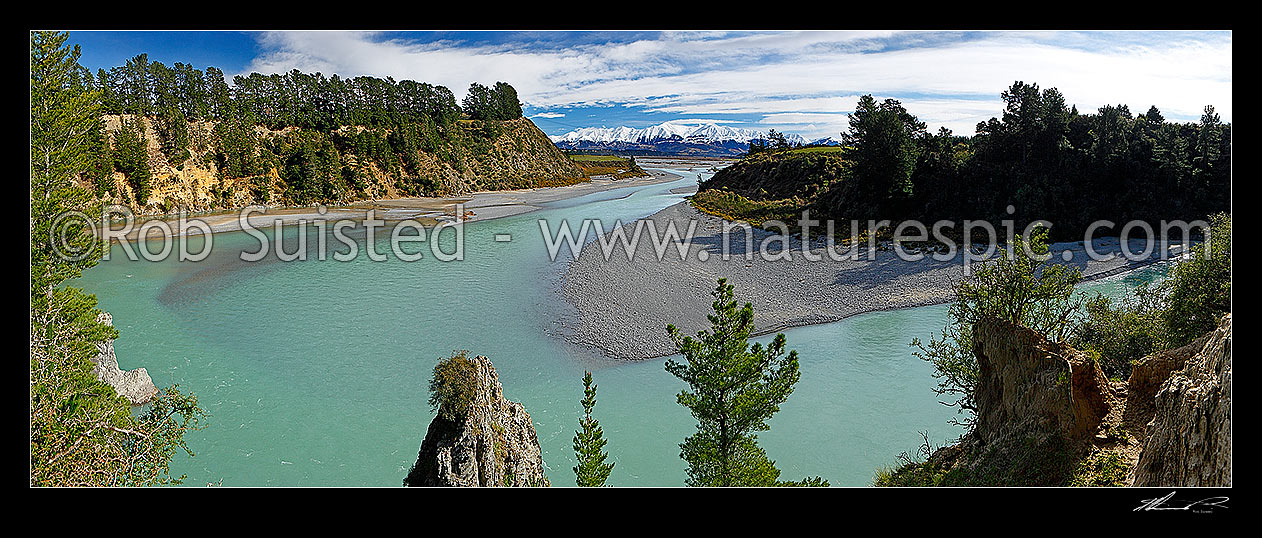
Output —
<point x="483" y="205"/>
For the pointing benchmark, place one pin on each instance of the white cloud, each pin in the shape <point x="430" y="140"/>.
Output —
<point x="800" y="78"/>
<point x="700" y="121"/>
<point x="549" y="115"/>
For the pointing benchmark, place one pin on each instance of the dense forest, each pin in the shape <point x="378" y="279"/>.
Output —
<point x="1042" y="156"/>
<point x="308" y="137"/>
<point x="295" y="99"/>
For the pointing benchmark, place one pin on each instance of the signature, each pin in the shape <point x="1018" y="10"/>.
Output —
<point x="1208" y="504"/>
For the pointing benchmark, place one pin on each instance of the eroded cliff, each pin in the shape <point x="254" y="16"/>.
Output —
<point x="296" y="167"/>
<point x="492" y="443"/>
<point x="1188" y="441"/>
<point x="1047" y="416"/>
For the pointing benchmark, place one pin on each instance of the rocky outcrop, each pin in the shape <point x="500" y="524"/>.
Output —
<point x="492" y="444"/>
<point x="1188" y="442"/>
<point x="1027" y="385"/>
<point x="1047" y="416"/>
<point x="135" y="385"/>
<point x="1040" y="406"/>
<point x="1147" y="377"/>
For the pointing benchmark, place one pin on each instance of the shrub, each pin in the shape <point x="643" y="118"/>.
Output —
<point x="1101" y="469"/>
<point x="1019" y="289"/>
<point x="1164" y="316"/>
<point x="451" y="390"/>
<point x="1123" y="331"/>
<point x="1200" y="287"/>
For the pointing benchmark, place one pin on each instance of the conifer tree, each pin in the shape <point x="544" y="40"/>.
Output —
<point x="82" y="432"/>
<point x="65" y="123"/>
<point x="589" y="443"/>
<point x="131" y="157"/>
<point x="733" y="390"/>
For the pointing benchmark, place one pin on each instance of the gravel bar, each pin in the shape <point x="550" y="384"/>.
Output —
<point x="623" y="306"/>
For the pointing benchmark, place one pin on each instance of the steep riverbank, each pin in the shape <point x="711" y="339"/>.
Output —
<point x="1048" y="416"/>
<point x="624" y="304"/>
<point x="483" y="205"/>
<point x="348" y="164"/>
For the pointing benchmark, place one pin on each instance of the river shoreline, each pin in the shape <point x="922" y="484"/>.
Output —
<point x="482" y="205"/>
<point x="622" y="305"/>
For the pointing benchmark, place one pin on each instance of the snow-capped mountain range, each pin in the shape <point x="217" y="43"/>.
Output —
<point x="670" y="138"/>
<point x="708" y="132"/>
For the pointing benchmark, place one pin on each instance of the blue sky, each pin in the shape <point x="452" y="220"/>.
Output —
<point x="801" y="82"/>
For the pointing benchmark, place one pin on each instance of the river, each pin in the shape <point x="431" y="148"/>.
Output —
<point x="315" y="373"/>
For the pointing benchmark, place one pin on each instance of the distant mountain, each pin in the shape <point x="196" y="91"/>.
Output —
<point x="706" y="139"/>
<point x="826" y="141"/>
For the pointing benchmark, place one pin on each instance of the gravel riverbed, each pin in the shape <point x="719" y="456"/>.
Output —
<point x="623" y="305"/>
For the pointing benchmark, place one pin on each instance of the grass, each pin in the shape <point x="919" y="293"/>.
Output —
<point x="1102" y="469"/>
<point x="911" y="475"/>
<point x="1048" y="461"/>
<point x="610" y="165"/>
<point x="820" y="149"/>
<point x="558" y="181"/>
<point x="734" y="207"/>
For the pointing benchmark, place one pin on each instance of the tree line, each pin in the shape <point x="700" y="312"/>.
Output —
<point x="294" y="99"/>
<point x="399" y="118"/>
<point x="775" y="141"/>
<point x="1043" y="157"/>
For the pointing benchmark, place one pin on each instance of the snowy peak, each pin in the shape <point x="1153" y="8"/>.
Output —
<point x="662" y="132"/>
<point x="598" y="134"/>
<point x="669" y="138"/>
<point x="702" y="133"/>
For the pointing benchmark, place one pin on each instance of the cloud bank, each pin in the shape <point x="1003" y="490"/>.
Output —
<point x="803" y="82"/>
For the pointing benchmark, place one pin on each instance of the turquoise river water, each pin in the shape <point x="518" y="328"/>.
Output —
<point x="315" y="372"/>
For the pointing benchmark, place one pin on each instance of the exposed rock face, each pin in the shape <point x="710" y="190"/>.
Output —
<point x="1188" y="442"/>
<point x="1039" y="407"/>
<point x="1027" y="384"/>
<point x="1045" y="413"/>
<point x="135" y="385"/>
<point x="1149" y="374"/>
<point x="493" y="444"/>
<point x="517" y="155"/>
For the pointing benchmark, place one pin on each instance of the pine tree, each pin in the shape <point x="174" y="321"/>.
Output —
<point x="65" y="123"/>
<point x="733" y="392"/>
<point x="101" y="171"/>
<point x="883" y="137"/>
<point x="589" y="443"/>
<point x="508" y="107"/>
<point x="131" y="157"/>
<point x="82" y="432"/>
